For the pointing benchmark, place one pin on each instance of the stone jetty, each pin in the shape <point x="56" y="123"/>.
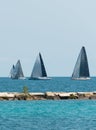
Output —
<point x="47" y="95"/>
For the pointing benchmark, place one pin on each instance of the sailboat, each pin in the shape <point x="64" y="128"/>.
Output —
<point x="16" y="71"/>
<point x="81" y="70"/>
<point x="39" y="71"/>
<point x="12" y="72"/>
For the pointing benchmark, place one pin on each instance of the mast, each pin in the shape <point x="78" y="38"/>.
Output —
<point x="81" y="70"/>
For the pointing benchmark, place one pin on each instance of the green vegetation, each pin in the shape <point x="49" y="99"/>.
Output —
<point x="72" y="96"/>
<point x="25" y="90"/>
<point x="25" y="94"/>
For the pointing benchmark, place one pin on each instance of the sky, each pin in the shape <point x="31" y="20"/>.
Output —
<point x="56" y="28"/>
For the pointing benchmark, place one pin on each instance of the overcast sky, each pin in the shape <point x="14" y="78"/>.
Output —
<point x="56" y="28"/>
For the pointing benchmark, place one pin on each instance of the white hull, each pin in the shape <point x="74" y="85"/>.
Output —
<point x="22" y="78"/>
<point x="82" y="78"/>
<point x="40" y="78"/>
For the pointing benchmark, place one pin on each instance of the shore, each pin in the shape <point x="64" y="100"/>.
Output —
<point x="47" y="95"/>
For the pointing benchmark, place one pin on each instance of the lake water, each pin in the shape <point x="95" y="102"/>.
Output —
<point x="48" y="115"/>
<point x="56" y="84"/>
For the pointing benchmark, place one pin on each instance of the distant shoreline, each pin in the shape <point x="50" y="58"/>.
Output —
<point x="47" y="95"/>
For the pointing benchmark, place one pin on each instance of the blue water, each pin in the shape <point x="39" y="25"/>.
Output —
<point x="56" y="84"/>
<point x="48" y="115"/>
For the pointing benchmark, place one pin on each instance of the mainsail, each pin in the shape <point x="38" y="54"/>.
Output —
<point x="12" y="72"/>
<point x="81" y="70"/>
<point x="16" y="71"/>
<point x="38" y="69"/>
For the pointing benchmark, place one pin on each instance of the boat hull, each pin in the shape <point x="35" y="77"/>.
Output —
<point x="82" y="78"/>
<point x="21" y="78"/>
<point x="39" y="78"/>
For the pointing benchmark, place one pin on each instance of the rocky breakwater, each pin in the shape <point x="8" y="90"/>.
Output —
<point x="47" y="95"/>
